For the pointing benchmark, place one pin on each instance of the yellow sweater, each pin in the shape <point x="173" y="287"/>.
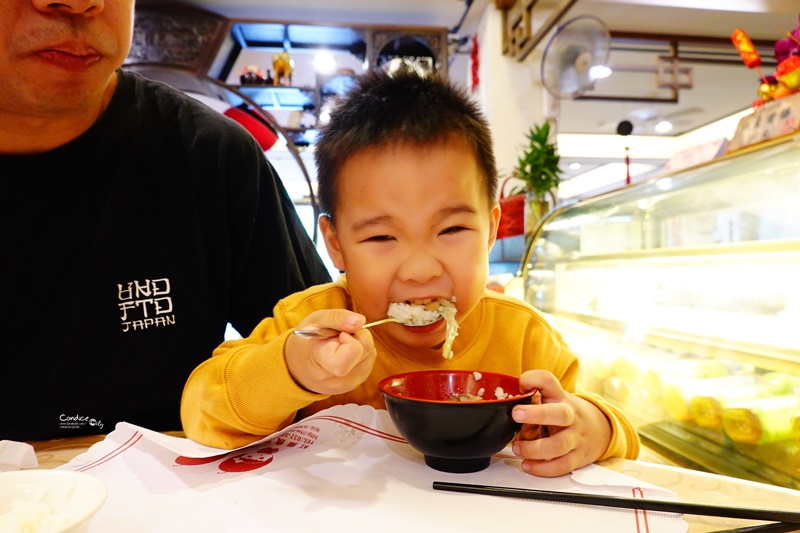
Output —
<point x="244" y="391"/>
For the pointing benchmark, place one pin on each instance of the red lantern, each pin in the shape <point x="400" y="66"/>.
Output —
<point x="745" y="48"/>
<point x="264" y="134"/>
<point x="259" y="129"/>
<point x="474" y="57"/>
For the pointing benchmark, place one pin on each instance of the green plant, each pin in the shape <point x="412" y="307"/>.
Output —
<point x="537" y="167"/>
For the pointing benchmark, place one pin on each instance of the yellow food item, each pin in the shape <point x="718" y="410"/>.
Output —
<point x="761" y="420"/>
<point x="676" y="397"/>
<point x="706" y="408"/>
<point x="448" y="312"/>
<point x="675" y="401"/>
<point x="465" y="397"/>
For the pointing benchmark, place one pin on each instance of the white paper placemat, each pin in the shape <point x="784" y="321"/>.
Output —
<point x="343" y="469"/>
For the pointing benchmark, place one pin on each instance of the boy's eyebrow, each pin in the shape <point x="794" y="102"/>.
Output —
<point x="374" y="221"/>
<point x="460" y="208"/>
<point x="386" y="219"/>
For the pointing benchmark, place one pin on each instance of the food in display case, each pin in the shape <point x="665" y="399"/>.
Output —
<point x="796" y="427"/>
<point x="761" y="420"/>
<point x="708" y="406"/>
<point x="681" y="296"/>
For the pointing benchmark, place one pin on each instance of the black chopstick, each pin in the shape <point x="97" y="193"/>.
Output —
<point x="772" y="515"/>
<point x="772" y="527"/>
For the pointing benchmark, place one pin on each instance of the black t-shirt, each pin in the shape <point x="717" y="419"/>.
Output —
<point x="126" y="252"/>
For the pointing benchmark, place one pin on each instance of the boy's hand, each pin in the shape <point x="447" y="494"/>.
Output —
<point x="336" y="365"/>
<point x="568" y="432"/>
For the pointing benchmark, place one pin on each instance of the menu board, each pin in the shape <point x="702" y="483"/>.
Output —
<point x="695" y="155"/>
<point x="771" y="120"/>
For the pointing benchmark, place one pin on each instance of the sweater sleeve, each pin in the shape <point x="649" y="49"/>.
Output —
<point x="624" y="439"/>
<point x="243" y="392"/>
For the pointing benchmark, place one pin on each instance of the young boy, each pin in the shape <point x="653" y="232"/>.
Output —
<point x="407" y="188"/>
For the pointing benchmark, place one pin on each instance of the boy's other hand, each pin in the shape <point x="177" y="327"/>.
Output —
<point x="561" y="432"/>
<point x="336" y="365"/>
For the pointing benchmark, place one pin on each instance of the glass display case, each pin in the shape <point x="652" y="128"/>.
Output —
<point x="681" y="296"/>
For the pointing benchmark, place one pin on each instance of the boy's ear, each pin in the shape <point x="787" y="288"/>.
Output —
<point x="331" y="241"/>
<point x="494" y="223"/>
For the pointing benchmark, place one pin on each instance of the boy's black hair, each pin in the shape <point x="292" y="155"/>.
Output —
<point x="385" y="108"/>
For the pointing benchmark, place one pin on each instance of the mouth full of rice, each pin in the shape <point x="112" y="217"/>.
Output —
<point x="411" y="314"/>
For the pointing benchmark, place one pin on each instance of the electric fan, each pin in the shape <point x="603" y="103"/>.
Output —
<point x="577" y="47"/>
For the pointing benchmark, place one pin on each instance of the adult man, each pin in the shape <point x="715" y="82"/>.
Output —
<point x="135" y="223"/>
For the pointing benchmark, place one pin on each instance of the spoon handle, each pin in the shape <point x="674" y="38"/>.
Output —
<point x="327" y="333"/>
<point x="379" y="322"/>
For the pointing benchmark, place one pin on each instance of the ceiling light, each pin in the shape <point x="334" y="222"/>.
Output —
<point x="324" y="63"/>
<point x="324" y="115"/>
<point x="664" y="126"/>
<point x="574" y="166"/>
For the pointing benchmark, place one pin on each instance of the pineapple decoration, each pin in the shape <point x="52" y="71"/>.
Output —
<point x="786" y="80"/>
<point x="284" y="67"/>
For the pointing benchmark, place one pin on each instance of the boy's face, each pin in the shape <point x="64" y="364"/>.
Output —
<point x="412" y="224"/>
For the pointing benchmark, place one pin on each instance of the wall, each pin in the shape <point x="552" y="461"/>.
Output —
<point x="514" y="100"/>
<point x="509" y="91"/>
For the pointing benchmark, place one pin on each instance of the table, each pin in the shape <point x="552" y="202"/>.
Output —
<point x="689" y="485"/>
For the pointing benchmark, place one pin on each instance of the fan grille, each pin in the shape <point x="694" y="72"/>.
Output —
<point x="577" y="46"/>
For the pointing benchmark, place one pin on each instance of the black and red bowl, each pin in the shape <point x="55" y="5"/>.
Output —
<point x="454" y="435"/>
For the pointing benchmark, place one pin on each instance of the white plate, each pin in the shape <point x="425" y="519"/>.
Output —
<point x="27" y="497"/>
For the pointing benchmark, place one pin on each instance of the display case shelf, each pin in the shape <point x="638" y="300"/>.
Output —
<point x="271" y="97"/>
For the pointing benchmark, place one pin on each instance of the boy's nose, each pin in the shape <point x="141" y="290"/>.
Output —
<point x="420" y="267"/>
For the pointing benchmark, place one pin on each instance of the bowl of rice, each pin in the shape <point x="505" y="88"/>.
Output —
<point x="457" y="419"/>
<point x="49" y="501"/>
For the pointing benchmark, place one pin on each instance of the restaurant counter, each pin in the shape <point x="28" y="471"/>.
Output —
<point x="688" y="485"/>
